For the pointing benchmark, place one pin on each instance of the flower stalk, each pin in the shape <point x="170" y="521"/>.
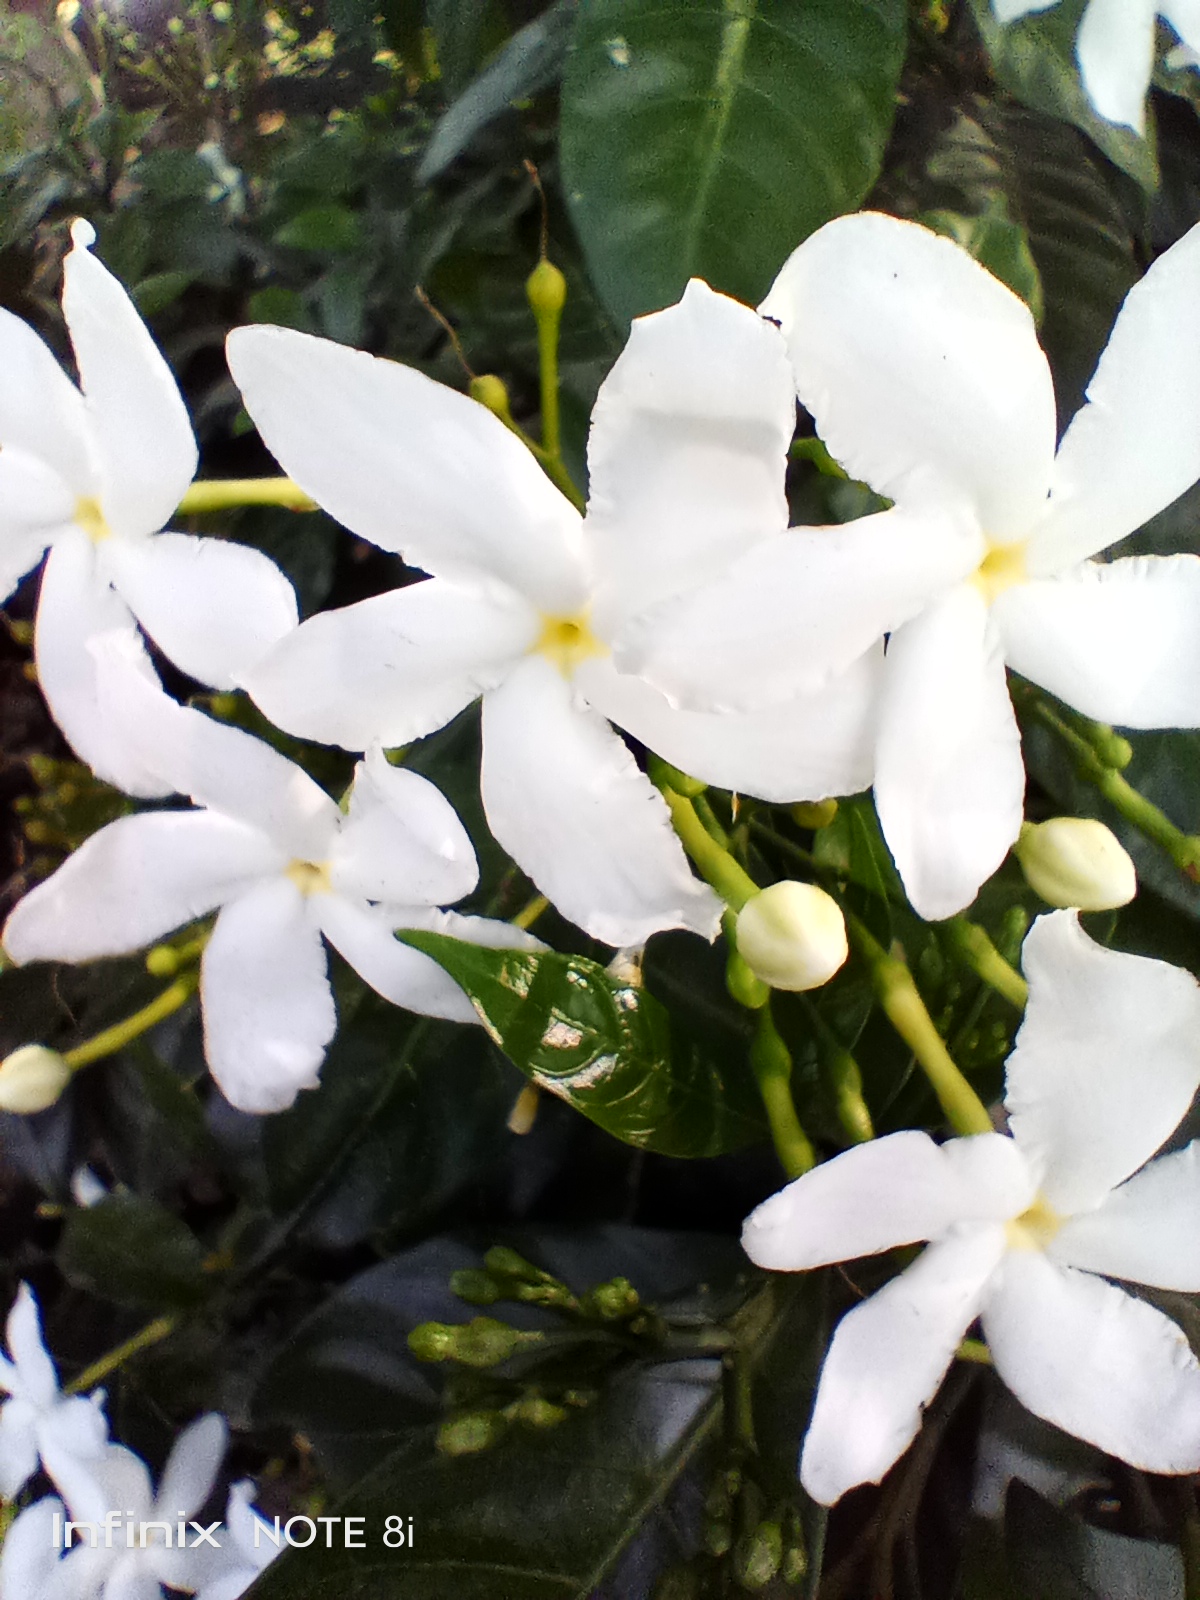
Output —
<point x="716" y="866"/>
<point x="153" y="1333"/>
<point x="222" y="494"/>
<point x="906" y="1011"/>
<point x="772" y="1063"/>
<point x="110" y="1040"/>
<point x="973" y="947"/>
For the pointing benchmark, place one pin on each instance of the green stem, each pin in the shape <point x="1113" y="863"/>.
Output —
<point x="528" y="914"/>
<point x="710" y="820"/>
<point x="973" y="946"/>
<point x="221" y="494"/>
<point x="549" y="321"/>
<point x="976" y="1351"/>
<point x="845" y="1078"/>
<point x="901" y="1001"/>
<point x="120" y="1034"/>
<point x="1183" y="849"/>
<point x="153" y="1333"/>
<point x="717" y="867"/>
<point x="772" y="1064"/>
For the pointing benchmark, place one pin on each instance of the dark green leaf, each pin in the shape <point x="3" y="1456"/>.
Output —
<point x="605" y="1047"/>
<point x="329" y="229"/>
<point x="134" y="1251"/>
<point x="1055" y="1556"/>
<point x="709" y="137"/>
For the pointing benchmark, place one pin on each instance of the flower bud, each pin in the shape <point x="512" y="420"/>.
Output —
<point x="32" y="1078"/>
<point x="792" y="935"/>
<point x="491" y="393"/>
<point x="813" y="814"/>
<point x="1076" y="862"/>
<point x="475" y="1287"/>
<point x="470" y="1432"/>
<point x="546" y="289"/>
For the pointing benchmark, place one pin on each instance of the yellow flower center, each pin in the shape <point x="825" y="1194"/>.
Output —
<point x="1002" y="568"/>
<point x="310" y="877"/>
<point x="567" y="641"/>
<point x="1034" y="1228"/>
<point x="90" y="517"/>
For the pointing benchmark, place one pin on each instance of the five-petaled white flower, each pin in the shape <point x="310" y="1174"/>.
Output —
<point x="283" y="863"/>
<point x="1025" y="1230"/>
<point x="1115" y="48"/>
<point x="249" y="1546"/>
<point x="38" y="1422"/>
<point x="541" y="612"/>
<point x="925" y="378"/>
<point x="94" y="476"/>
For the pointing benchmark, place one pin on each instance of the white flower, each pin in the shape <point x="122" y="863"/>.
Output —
<point x="1025" y="1230"/>
<point x="1115" y="48"/>
<point x="925" y="378"/>
<point x="245" y="1557"/>
<point x="94" y="476"/>
<point x="284" y="865"/>
<point x="30" y="1561"/>
<point x="37" y="1421"/>
<point x="542" y="613"/>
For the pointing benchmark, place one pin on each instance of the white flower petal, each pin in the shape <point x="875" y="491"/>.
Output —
<point x="268" y="1007"/>
<point x="1132" y="448"/>
<point x="216" y="765"/>
<point x="18" y="1452"/>
<point x="75" y="1426"/>
<point x="688" y="450"/>
<point x="118" y="1481"/>
<point x="135" y="881"/>
<point x="818" y="745"/>
<point x="23" y="1334"/>
<point x="1106" y="1064"/>
<point x="798" y="608"/>
<point x="886" y="1361"/>
<point x="922" y="371"/>
<point x="395" y="667"/>
<point x="145" y="449"/>
<point x="410" y="464"/>
<point x="28" y="1557"/>
<point x="566" y="800"/>
<point x="1094" y="1361"/>
<point x="35" y="504"/>
<point x="1115" y="49"/>
<point x="192" y="1468"/>
<point x="365" y="936"/>
<point x="1119" y="642"/>
<point x="41" y="410"/>
<point x="212" y="607"/>
<point x="75" y="607"/>
<point x="1146" y="1231"/>
<point x="833" y="1213"/>
<point x="402" y="840"/>
<point x="1011" y="10"/>
<point x="949" y="780"/>
<point x="133" y="1579"/>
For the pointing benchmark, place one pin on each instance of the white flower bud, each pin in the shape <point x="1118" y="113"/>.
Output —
<point x="1076" y="862"/>
<point x="792" y="935"/>
<point x="32" y="1078"/>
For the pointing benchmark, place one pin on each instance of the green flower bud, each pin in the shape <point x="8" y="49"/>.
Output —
<point x="475" y="1287"/>
<point x="31" y="1079"/>
<point x="535" y="1411"/>
<point x="546" y="289"/>
<point x="758" y="1556"/>
<point x="506" y="1263"/>
<point x="162" y="961"/>
<point x="433" y="1341"/>
<point x="470" y="1432"/>
<point x="814" y="814"/>
<point x="612" y="1301"/>
<point x="491" y="393"/>
<point x="792" y="935"/>
<point x="486" y="1341"/>
<point x="1077" y="862"/>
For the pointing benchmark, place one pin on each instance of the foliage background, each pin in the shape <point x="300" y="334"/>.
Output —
<point x="317" y="165"/>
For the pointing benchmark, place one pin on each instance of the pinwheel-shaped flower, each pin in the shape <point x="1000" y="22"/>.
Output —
<point x="284" y="865"/>
<point x="926" y="379"/>
<point x="94" y="476"/>
<point x="38" y="1422"/>
<point x="1115" y="48"/>
<point x="1025" y="1230"/>
<point x="539" y="611"/>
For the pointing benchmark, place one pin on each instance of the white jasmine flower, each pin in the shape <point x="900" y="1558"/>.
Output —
<point x="30" y="1561"/>
<point x="284" y="865"/>
<point x="1115" y="48"/>
<point x="925" y="378"/>
<point x="246" y="1554"/>
<point x="94" y="475"/>
<point x="38" y="1422"/>
<point x="1024" y="1230"/>
<point x="137" y="1549"/>
<point x="542" y="613"/>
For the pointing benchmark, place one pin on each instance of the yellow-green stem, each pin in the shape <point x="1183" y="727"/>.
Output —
<point x="976" y="1351"/>
<point x="222" y="494"/>
<point x="717" y="867"/>
<point x="549" y="321"/>
<point x="112" y="1039"/>
<point x="772" y="1064"/>
<point x="971" y="943"/>
<point x="153" y="1333"/>
<point x="906" y="1011"/>
<point x="528" y="914"/>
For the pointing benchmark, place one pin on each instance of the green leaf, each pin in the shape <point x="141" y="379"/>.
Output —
<point x="709" y="137"/>
<point x="1034" y="59"/>
<point x="134" y="1251"/>
<point x="329" y="229"/>
<point x="605" y="1047"/>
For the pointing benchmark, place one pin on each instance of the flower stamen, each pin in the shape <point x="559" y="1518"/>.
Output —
<point x="567" y="641"/>
<point x="89" y="515"/>
<point x="310" y="877"/>
<point x="1002" y="568"/>
<point x="1035" y="1227"/>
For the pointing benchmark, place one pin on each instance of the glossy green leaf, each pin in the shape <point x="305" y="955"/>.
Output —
<point x="1034" y="59"/>
<point x="134" y="1251"/>
<point x="709" y="137"/>
<point x="605" y="1047"/>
